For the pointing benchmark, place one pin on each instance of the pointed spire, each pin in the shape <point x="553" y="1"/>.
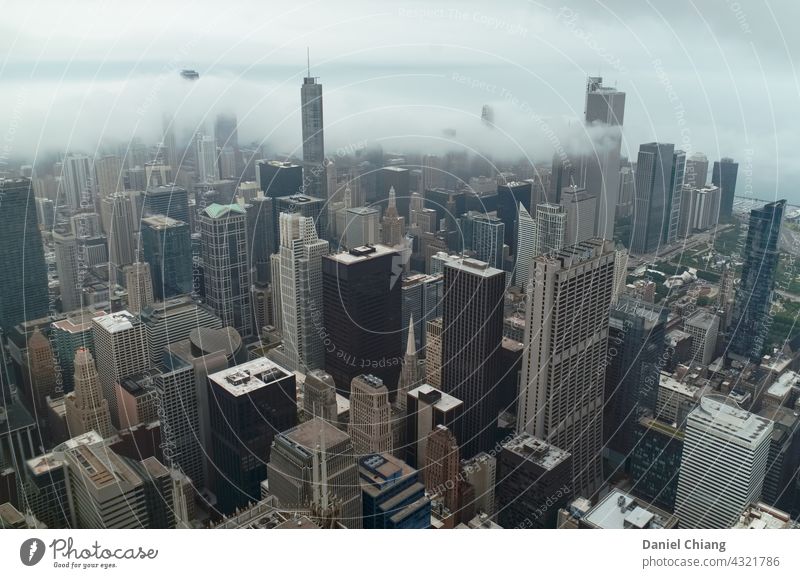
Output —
<point x="392" y="200"/>
<point x="411" y="345"/>
<point x="308" y="60"/>
<point x="348" y="197"/>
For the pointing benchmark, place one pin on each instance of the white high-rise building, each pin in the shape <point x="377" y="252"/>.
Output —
<point x="563" y="369"/>
<point x="551" y="227"/>
<point x="526" y="246"/>
<point x="370" y="416"/>
<point x="207" y="168"/>
<point x="703" y="326"/>
<point x="121" y="349"/>
<point x="300" y="255"/>
<point x="724" y="460"/>
<point x="70" y="269"/>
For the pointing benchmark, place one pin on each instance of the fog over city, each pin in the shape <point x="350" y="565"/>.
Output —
<point x="710" y="77"/>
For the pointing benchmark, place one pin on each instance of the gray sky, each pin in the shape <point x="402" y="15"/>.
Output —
<point x="714" y="76"/>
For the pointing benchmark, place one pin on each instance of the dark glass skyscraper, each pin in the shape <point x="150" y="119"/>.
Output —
<point x="313" y="138"/>
<point x="473" y="332"/>
<point x="724" y="176"/>
<point x="167" y="247"/>
<point x="754" y="292"/>
<point x="23" y="285"/>
<point x="279" y="179"/>
<point x="653" y="177"/>
<point x="361" y="329"/>
<point x="167" y="200"/>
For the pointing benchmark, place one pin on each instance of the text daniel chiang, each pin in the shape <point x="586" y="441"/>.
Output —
<point x="687" y="544"/>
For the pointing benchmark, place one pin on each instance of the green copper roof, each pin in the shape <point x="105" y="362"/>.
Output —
<point x="215" y="211"/>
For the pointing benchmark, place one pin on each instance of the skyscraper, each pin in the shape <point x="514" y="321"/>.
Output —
<point x="167" y="248"/>
<point x="653" y="179"/>
<point x="580" y="206"/>
<point x="370" y="416"/>
<point x="484" y="234"/>
<point x="314" y="465"/>
<point x="119" y="342"/>
<point x="393" y="225"/>
<point x="551" y="226"/>
<point x="206" y="166"/>
<point x="472" y="334"/>
<point x="226" y="271"/>
<point x="605" y="107"/>
<point x="672" y="211"/>
<point x="509" y="197"/>
<point x="120" y="224"/>
<point x="315" y="179"/>
<point x="278" y="178"/>
<point x="362" y="315"/>
<point x="393" y="495"/>
<point x="561" y="386"/>
<point x="77" y="180"/>
<point x="139" y="285"/>
<point x="300" y="285"/>
<point x="168" y="200"/>
<point x="70" y="270"/>
<point x="696" y="171"/>
<point x="426" y="408"/>
<point x="724" y="176"/>
<point x="86" y="407"/>
<point x="526" y="244"/>
<point x="172" y="321"/>
<point x="724" y="460"/>
<point x="754" y="293"/>
<point x="23" y="287"/>
<point x="250" y="403"/>
<point x="441" y="468"/>
<point x="397" y="179"/>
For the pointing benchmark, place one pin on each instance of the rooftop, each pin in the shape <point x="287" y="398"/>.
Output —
<point x="216" y="211"/>
<point x="619" y="510"/>
<point x="116" y="322"/>
<point x="535" y="450"/>
<point x="360" y="254"/>
<point x="250" y="376"/>
<point x="435" y="397"/>
<point x="760" y="516"/>
<point x="724" y="414"/>
<point x="472" y="266"/>
<point x="308" y="434"/>
<point x="160" y="222"/>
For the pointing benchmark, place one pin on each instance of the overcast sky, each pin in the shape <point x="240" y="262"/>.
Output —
<point x="713" y="76"/>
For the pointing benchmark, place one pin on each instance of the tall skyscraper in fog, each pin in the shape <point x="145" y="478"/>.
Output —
<point x="77" y="182"/>
<point x="653" y="178"/>
<point x="69" y="270"/>
<point x="23" y="286"/>
<point x="696" y="171"/>
<point x="551" y="226"/>
<point x="751" y="306"/>
<point x="223" y="233"/>
<point x="566" y="332"/>
<point x="724" y="176"/>
<point x="167" y="247"/>
<point x="724" y="460"/>
<point x="526" y="243"/>
<point x="472" y="324"/>
<point x="206" y="167"/>
<point x="605" y="107"/>
<point x="672" y="210"/>
<point x="300" y="285"/>
<point x="314" y="177"/>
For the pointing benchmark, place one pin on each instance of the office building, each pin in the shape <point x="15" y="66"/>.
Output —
<point x="206" y="167"/>
<point x="724" y="176"/>
<point x="279" y="179"/>
<point x="137" y="401"/>
<point x="510" y="195"/>
<point x="651" y="208"/>
<point x="319" y="396"/>
<point x="86" y="407"/>
<point x="370" y="425"/>
<point x="314" y="466"/>
<point x="360" y="227"/>
<point x="442" y="467"/>
<point x="393" y="496"/>
<point x="119" y="341"/>
<point x="168" y="200"/>
<point x="433" y="352"/>
<point x="173" y="320"/>
<point x="109" y="175"/>
<point x="534" y="479"/>
<point x="605" y="107"/>
<point x="655" y="461"/>
<point x="69" y="335"/>
<point x="71" y="268"/>
<point x="139" y="285"/>
<point x="392" y="225"/>
<point x="472" y="324"/>
<point x="39" y="375"/>
<point x="696" y="171"/>
<point x="562" y="380"/>
<point x="483" y="234"/>
<point x="617" y="510"/>
<point x="396" y="178"/>
<point x="580" y="206"/>
<point x="550" y="231"/>
<point x="24" y="294"/>
<point x="120" y="225"/>
<point x="427" y="408"/>
<point x="226" y="271"/>
<point x="362" y="315"/>
<point x="77" y="181"/>
<point x="724" y="462"/>
<point x="672" y="210"/>
<point x="526" y="243"/>
<point x="703" y="326"/>
<point x="167" y="248"/>
<point x="249" y="403"/>
<point x="300" y="284"/>
<point x="262" y="237"/>
<point x="753" y="299"/>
